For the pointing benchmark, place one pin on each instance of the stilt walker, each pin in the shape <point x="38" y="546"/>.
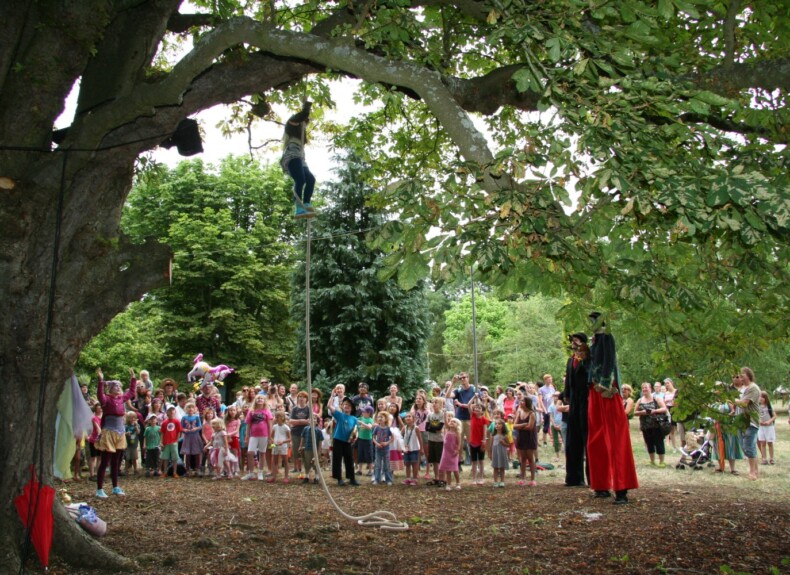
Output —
<point x="575" y="395"/>
<point x="609" y="451"/>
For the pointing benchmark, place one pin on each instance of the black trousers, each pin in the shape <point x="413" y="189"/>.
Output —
<point x="342" y="453"/>
<point x="575" y="454"/>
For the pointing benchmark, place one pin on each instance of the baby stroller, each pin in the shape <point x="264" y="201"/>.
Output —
<point x="696" y="457"/>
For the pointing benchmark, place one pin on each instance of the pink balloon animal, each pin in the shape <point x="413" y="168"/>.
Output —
<point x="202" y="370"/>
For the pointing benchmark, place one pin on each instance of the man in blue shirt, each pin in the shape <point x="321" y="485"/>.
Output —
<point x="343" y="439"/>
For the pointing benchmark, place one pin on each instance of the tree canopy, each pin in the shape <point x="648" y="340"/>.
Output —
<point x="669" y="119"/>
<point x="233" y="258"/>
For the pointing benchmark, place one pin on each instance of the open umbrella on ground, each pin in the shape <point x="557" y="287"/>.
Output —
<point x="34" y="506"/>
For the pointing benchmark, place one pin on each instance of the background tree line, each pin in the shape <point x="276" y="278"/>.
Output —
<point x="238" y="297"/>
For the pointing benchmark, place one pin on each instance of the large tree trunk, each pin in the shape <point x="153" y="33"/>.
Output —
<point x="98" y="272"/>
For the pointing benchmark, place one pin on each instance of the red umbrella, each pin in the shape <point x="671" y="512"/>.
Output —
<point x="34" y="506"/>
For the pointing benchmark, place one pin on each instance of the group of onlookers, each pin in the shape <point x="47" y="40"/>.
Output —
<point x="746" y="424"/>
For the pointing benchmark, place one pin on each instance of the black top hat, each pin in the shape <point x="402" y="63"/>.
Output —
<point x="582" y="337"/>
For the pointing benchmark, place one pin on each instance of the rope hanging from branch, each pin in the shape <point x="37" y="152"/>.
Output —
<point x="382" y="519"/>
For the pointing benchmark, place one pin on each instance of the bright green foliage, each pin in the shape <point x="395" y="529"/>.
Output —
<point x="517" y="340"/>
<point x="230" y="229"/>
<point x="534" y="343"/>
<point x="132" y="339"/>
<point x="491" y="315"/>
<point x="362" y="328"/>
<point x="674" y="169"/>
<point x="439" y="365"/>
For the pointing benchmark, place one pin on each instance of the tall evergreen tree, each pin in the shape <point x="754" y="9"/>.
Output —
<point x="362" y="328"/>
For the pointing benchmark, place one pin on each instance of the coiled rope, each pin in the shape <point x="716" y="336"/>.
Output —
<point x="382" y="519"/>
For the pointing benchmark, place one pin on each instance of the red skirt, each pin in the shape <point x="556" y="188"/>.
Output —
<point x="609" y="451"/>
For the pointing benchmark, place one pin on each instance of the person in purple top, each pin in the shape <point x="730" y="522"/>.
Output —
<point x="112" y="441"/>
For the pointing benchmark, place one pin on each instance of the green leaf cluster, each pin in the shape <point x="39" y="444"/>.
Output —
<point x="231" y="231"/>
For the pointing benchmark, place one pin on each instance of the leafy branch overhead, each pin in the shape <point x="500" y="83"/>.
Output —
<point x="605" y="138"/>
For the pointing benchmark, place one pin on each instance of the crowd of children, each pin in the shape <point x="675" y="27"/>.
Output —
<point x="268" y="436"/>
<point x="265" y="436"/>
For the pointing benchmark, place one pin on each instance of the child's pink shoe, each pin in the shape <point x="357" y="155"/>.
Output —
<point x="286" y="480"/>
<point x="522" y="483"/>
<point x="271" y="480"/>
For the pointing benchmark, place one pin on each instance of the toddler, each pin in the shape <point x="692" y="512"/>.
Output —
<point x="281" y="439"/>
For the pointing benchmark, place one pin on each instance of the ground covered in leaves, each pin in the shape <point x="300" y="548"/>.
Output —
<point x="199" y="526"/>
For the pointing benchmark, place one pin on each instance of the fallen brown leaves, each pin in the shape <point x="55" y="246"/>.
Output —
<point x="198" y="527"/>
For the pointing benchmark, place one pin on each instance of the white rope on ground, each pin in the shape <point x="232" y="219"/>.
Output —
<point x="382" y="519"/>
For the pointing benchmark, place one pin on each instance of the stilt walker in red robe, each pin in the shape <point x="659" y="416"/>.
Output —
<point x="609" y="452"/>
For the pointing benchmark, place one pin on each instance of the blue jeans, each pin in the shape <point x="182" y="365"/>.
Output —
<point x="382" y="465"/>
<point x="304" y="180"/>
<point x="749" y="442"/>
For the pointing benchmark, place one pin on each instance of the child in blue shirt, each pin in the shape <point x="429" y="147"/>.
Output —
<point x="344" y="437"/>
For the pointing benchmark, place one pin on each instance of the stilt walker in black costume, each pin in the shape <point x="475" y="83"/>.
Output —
<point x="575" y="395"/>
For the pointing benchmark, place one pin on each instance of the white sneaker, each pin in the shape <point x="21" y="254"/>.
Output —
<point x="260" y="476"/>
<point x="248" y="477"/>
<point x="374" y="482"/>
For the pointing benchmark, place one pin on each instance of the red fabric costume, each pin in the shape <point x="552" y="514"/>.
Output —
<point x="609" y="452"/>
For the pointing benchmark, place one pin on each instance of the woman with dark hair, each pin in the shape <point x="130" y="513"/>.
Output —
<point x="293" y="160"/>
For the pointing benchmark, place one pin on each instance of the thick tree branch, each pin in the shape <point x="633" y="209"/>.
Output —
<point x="128" y="46"/>
<point x="180" y="23"/>
<point x="730" y="79"/>
<point x="729" y="31"/>
<point x="726" y="125"/>
<point x="45" y="58"/>
<point x="333" y="53"/>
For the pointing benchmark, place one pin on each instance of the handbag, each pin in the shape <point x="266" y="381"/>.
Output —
<point x="664" y="423"/>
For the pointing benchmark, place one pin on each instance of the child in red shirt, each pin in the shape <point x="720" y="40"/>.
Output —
<point x="171" y="433"/>
<point x="478" y="425"/>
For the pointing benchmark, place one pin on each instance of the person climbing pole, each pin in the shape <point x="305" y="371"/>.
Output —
<point x="293" y="160"/>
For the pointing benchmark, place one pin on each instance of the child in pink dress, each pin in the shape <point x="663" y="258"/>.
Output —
<point x="451" y="452"/>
